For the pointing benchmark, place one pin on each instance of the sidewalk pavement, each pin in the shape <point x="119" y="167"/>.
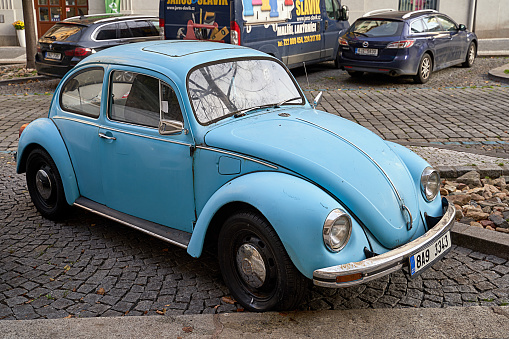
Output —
<point x="452" y="322"/>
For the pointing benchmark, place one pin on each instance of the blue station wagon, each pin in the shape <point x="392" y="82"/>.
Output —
<point x="200" y="143"/>
<point x="405" y="43"/>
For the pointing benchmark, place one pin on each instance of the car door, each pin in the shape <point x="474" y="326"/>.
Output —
<point x="331" y="30"/>
<point x="438" y="41"/>
<point x="146" y="174"/>
<point x="457" y="39"/>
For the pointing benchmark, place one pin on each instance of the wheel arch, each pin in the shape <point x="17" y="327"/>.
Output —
<point x="42" y="133"/>
<point x="295" y="208"/>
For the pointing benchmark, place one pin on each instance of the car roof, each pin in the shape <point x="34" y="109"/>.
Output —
<point x="175" y="57"/>
<point x="99" y="18"/>
<point x="397" y="15"/>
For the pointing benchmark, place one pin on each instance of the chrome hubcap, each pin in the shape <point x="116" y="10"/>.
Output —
<point x="426" y="65"/>
<point x="251" y="266"/>
<point x="43" y="184"/>
<point x="471" y="55"/>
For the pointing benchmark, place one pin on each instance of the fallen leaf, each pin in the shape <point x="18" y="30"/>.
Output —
<point x="187" y="329"/>
<point x="163" y="312"/>
<point x="51" y="279"/>
<point x="67" y="267"/>
<point x="101" y="291"/>
<point x="216" y="307"/>
<point x="240" y="310"/>
<point x="165" y="250"/>
<point x="68" y="317"/>
<point x="228" y="300"/>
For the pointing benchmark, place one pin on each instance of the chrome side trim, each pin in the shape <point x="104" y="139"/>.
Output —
<point x="385" y="263"/>
<point x="125" y="132"/>
<point x="138" y="228"/>
<point x="238" y="156"/>
<point x="402" y="203"/>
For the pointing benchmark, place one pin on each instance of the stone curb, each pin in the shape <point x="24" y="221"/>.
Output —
<point x="498" y="73"/>
<point x="481" y="240"/>
<point x="451" y="172"/>
<point x="24" y="79"/>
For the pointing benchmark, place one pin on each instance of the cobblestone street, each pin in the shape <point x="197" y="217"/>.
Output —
<point x="88" y="266"/>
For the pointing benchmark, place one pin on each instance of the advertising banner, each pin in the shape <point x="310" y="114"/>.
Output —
<point x="112" y="6"/>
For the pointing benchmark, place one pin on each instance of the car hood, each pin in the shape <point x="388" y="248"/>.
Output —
<point x="352" y="163"/>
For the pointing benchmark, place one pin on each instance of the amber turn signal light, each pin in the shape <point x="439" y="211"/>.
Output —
<point x="22" y="128"/>
<point x="347" y="278"/>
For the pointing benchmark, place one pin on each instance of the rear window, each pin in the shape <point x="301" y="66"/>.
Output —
<point x="377" y="28"/>
<point x="64" y="32"/>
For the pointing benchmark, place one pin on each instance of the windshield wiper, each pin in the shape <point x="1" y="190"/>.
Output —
<point x="359" y="33"/>
<point x="279" y="104"/>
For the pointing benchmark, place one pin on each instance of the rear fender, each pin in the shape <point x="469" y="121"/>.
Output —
<point x="295" y="208"/>
<point x="43" y="133"/>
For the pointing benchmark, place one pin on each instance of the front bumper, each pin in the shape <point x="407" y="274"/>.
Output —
<point x="386" y="263"/>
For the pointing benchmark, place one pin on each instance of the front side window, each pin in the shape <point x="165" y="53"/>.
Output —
<point x="447" y="24"/>
<point x="234" y="87"/>
<point x="82" y="93"/>
<point x="433" y="24"/>
<point x="331" y="7"/>
<point x="136" y="99"/>
<point x="377" y="28"/>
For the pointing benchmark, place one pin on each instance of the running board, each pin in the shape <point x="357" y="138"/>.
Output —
<point x="168" y="234"/>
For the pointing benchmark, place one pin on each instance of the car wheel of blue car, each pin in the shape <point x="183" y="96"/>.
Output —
<point x="471" y="54"/>
<point x="256" y="267"/>
<point x="45" y="185"/>
<point x="424" y="69"/>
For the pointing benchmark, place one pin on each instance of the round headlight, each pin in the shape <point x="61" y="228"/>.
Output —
<point x="430" y="183"/>
<point x="337" y="230"/>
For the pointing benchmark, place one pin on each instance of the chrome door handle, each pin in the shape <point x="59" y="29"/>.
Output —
<point x="104" y="136"/>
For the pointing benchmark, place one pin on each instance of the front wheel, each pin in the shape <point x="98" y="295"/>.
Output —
<point x="256" y="267"/>
<point x="471" y="54"/>
<point x="45" y="185"/>
<point x="424" y="70"/>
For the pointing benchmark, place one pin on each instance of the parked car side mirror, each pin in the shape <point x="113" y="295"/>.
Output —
<point x="167" y="127"/>
<point x="344" y="13"/>
<point x="462" y="27"/>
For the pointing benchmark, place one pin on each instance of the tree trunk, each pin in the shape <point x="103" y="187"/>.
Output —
<point x="28" y="18"/>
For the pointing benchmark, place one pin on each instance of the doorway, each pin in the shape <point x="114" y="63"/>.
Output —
<point x="51" y="11"/>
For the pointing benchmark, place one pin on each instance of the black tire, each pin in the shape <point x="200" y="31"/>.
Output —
<point x="471" y="54"/>
<point x="355" y="74"/>
<point x="336" y="61"/>
<point x="246" y="242"/>
<point x="45" y="185"/>
<point x="424" y="70"/>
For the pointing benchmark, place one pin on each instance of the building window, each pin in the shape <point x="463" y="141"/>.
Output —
<point x="416" y="5"/>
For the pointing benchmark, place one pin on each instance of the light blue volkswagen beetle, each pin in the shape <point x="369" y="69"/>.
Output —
<point x="202" y="143"/>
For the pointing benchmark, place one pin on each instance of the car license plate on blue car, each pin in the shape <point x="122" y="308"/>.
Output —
<point x="426" y="257"/>
<point x="366" y="51"/>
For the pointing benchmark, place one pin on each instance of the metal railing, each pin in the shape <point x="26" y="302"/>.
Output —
<point x="416" y="5"/>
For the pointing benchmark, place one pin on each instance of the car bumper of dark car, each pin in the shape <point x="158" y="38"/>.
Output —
<point x="402" y="64"/>
<point x="386" y="263"/>
<point x="52" y="69"/>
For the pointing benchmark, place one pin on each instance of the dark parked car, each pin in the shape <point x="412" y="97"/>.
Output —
<point x="405" y="43"/>
<point x="70" y="41"/>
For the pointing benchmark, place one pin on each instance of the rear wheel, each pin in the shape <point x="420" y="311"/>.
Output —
<point x="256" y="267"/>
<point x="355" y="74"/>
<point x="45" y="185"/>
<point x="424" y="70"/>
<point x="471" y="54"/>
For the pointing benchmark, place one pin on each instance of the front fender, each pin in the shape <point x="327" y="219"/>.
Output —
<point x="295" y="208"/>
<point x="44" y="133"/>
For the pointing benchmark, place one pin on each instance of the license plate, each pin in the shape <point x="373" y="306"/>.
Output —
<point x="426" y="257"/>
<point x="366" y="51"/>
<point x="53" y="55"/>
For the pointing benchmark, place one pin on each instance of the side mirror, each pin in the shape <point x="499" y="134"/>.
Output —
<point x="345" y="13"/>
<point x="167" y="127"/>
<point x="317" y="100"/>
<point x="462" y="27"/>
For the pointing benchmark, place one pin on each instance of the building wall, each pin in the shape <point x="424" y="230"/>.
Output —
<point x="359" y="7"/>
<point x="11" y="11"/>
<point x="458" y="10"/>
<point x="492" y="19"/>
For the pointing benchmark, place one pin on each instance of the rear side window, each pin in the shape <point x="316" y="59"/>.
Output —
<point x="81" y="93"/>
<point x="64" y="32"/>
<point x="107" y="32"/>
<point x="417" y="27"/>
<point x="143" y="28"/>
<point x="124" y="30"/>
<point x="377" y="28"/>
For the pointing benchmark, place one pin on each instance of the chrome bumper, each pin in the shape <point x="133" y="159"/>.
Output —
<point x="383" y="264"/>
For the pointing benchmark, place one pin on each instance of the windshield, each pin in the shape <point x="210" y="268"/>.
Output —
<point x="224" y="89"/>
<point x="377" y="28"/>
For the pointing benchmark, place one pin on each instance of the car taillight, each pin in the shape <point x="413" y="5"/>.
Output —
<point x="39" y="48"/>
<point x="343" y="42"/>
<point x="234" y="33"/>
<point x="401" y="44"/>
<point x="161" y="22"/>
<point x="22" y="128"/>
<point x="79" y="51"/>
